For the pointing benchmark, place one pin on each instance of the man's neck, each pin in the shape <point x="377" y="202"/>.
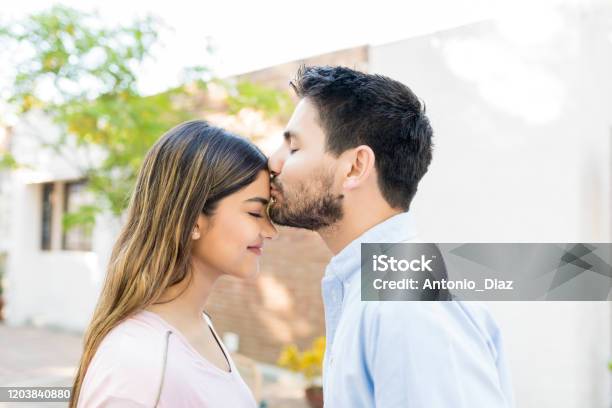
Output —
<point x="352" y="226"/>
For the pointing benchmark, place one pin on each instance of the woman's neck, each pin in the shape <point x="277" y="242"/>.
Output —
<point x="185" y="301"/>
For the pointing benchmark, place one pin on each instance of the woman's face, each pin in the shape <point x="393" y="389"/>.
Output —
<point x="232" y="238"/>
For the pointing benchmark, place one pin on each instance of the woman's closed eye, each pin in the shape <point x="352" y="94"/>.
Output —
<point x="256" y="215"/>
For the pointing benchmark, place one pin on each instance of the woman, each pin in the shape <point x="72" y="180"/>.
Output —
<point x="198" y="212"/>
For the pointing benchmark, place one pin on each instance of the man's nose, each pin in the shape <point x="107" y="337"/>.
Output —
<point x="276" y="162"/>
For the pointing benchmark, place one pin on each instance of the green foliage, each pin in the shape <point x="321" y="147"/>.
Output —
<point x="85" y="217"/>
<point x="74" y="53"/>
<point x="125" y="125"/>
<point x="7" y="161"/>
<point x="91" y="71"/>
<point x="270" y="101"/>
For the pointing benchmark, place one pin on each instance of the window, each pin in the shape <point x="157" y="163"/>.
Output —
<point x="64" y="201"/>
<point x="77" y="238"/>
<point x="47" y="216"/>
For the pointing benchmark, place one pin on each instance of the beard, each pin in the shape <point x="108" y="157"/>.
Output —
<point x="310" y="205"/>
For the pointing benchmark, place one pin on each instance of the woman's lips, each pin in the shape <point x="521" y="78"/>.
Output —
<point x="256" y="250"/>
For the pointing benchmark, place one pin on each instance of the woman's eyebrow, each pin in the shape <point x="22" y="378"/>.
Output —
<point x="259" y="200"/>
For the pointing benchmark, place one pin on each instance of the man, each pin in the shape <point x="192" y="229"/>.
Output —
<point x="354" y="152"/>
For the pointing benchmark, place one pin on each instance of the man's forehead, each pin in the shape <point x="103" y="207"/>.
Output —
<point x="303" y="121"/>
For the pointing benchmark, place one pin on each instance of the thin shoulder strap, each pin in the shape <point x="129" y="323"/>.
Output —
<point x="219" y="343"/>
<point x="208" y="317"/>
<point x="161" y="382"/>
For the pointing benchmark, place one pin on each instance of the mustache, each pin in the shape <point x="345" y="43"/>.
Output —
<point x="276" y="185"/>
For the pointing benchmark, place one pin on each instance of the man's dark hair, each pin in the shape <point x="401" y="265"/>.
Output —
<point x="363" y="109"/>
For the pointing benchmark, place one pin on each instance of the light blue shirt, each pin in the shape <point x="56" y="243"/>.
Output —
<point x="436" y="354"/>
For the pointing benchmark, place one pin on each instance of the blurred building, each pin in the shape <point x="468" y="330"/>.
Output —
<point x="523" y="131"/>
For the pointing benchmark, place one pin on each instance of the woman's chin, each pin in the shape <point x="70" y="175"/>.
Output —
<point x="250" y="272"/>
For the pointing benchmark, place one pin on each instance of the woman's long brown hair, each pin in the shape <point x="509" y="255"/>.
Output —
<point x="187" y="172"/>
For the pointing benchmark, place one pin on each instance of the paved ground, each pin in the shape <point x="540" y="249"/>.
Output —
<point x="45" y="357"/>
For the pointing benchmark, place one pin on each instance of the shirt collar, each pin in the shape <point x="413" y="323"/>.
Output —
<point x="398" y="228"/>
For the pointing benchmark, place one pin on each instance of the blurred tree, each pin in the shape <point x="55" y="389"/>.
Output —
<point x="7" y="161"/>
<point x="83" y="75"/>
<point x="271" y="102"/>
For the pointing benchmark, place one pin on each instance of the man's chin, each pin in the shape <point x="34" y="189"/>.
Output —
<point x="312" y="215"/>
<point x="306" y="223"/>
<point x="278" y="216"/>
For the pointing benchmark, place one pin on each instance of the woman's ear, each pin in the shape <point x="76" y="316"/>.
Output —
<point x="200" y="227"/>
<point x="195" y="235"/>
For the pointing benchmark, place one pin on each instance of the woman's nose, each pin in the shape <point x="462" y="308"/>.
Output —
<point x="270" y="231"/>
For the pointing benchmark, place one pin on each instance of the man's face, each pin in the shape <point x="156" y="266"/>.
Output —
<point x="303" y="187"/>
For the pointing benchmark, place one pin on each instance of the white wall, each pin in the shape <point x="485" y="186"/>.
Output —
<point x="558" y="352"/>
<point x="50" y="288"/>
<point x="4" y="210"/>
<point x="522" y="119"/>
<point x="4" y="193"/>
<point x="56" y="287"/>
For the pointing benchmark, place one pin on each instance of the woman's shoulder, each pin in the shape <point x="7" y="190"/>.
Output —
<point x="136" y="337"/>
<point x="128" y="363"/>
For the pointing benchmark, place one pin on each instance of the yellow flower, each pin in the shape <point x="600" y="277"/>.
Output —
<point x="290" y="358"/>
<point x="308" y="362"/>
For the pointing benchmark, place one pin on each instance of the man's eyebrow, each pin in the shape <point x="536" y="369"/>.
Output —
<point x="258" y="200"/>
<point x="290" y="135"/>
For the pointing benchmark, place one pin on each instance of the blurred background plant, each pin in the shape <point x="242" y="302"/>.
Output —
<point x="83" y="75"/>
<point x="309" y="364"/>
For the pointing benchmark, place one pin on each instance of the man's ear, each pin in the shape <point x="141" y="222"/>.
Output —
<point x="359" y="166"/>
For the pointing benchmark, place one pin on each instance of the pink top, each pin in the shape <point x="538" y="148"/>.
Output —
<point x="145" y="362"/>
